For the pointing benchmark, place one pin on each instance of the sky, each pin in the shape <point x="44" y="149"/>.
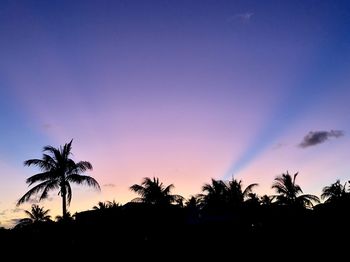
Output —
<point x="183" y="90"/>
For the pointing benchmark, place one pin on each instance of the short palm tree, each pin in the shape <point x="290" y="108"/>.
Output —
<point x="221" y="194"/>
<point x="289" y="193"/>
<point x="335" y="192"/>
<point x="235" y="193"/>
<point x="100" y="206"/>
<point x="36" y="215"/>
<point x="266" y="200"/>
<point x="214" y="196"/>
<point x="152" y="191"/>
<point x="58" y="170"/>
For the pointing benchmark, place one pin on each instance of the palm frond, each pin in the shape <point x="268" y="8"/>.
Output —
<point x="42" y="164"/>
<point x="81" y="179"/>
<point x="83" y="166"/>
<point x="138" y="189"/>
<point x="167" y="190"/>
<point x="29" y="214"/>
<point x="31" y="192"/>
<point x="249" y="189"/>
<point x="50" y="184"/>
<point x="137" y="200"/>
<point x="40" y="177"/>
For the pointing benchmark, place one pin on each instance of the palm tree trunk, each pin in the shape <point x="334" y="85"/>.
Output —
<point x="64" y="201"/>
<point x="64" y="205"/>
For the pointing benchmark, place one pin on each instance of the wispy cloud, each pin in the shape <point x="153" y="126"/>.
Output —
<point x="241" y="17"/>
<point x="278" y="146"/>
<point x="318" y="137"/>
<point x="16" y="210"/>
<point x="109" y="185"/>
<point x="46" y="126"/>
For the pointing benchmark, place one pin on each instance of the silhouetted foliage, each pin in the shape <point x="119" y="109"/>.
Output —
<point x="58" y="171"/>
<point x="35" y="215"/>
<point x="226" y="212"/>
<point x="290" y="193"/>
<point x="153" y="192"/>
<point x="221" y="195"/>
<point x="335" y="192"/>
<point x="105" y="205"/>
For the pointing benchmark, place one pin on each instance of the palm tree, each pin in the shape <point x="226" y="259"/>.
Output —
<point x="100" y="206"/>
<point x="221" y="194"/>
<point x="67" y="218"/>
<point x="113" y="204"/>
<point x="289" y="192"/>
<point x="335" y="192"/>
<point x="193" y="202"/>
<point x="153" y="192"/>
<point x="36" y="215"/>
<point x="105" y="205"/>
<point x="266" y="200"/>
<point x="215" y="194"/>
<point x="235" y="193"/>
<point x="58" y="170"/>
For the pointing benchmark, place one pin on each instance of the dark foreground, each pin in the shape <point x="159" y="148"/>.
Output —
<point x="183" y="230"/>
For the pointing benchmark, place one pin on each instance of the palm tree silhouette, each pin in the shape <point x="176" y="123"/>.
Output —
<point x="335" y="192"/>
<point x="289" y="192"/>
<point x="153" y="192"/>
<point x="105" y="205"/>
<point x="221" y="194"/>
<point x="36" y="215"/>
<point x="100" y="206"/>
<point x="235" y="193"/>
<point x="58" y="171"/>
<point x="215" y="196"/>
<point x="266" y="200"/>
<point x="68" y="217"/>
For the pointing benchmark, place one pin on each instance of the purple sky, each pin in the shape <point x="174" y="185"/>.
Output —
<point x="182" y="90"/>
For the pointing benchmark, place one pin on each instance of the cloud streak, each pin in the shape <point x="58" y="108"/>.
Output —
<point x="109" y="185"/>
<point x="318" y="137"/>
<point x="241" y="17"/>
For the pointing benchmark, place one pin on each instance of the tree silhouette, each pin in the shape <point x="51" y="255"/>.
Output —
<point x="152" y="191"/>
<point x="335" y="192"/>
<point x="220" y="194"/>
<point x="289" y="192"/>
<point x="266" y="200"/>
<point x="215" y="196"/>
<point x="105" y="205"/>
<point x="68" y="217"/>
<point x="58" y="171"/>
<point x="36" y="215"/>
<point x="192" y="203"/>
<point x="235" y="193"/>
<point x="100" y="206"/>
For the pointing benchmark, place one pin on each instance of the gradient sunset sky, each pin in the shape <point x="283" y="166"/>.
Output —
<point x="184" y="90"/>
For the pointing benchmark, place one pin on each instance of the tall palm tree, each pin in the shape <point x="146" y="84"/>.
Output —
<point x="152" y="191"/>
<point x="289" y="193"/>
<point x="36" y="215"/>
<point x="335" y="192"/>
<point x="58" y="170"/>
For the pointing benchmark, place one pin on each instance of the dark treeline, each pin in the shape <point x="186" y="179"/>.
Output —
<point x="225" y="212"/>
